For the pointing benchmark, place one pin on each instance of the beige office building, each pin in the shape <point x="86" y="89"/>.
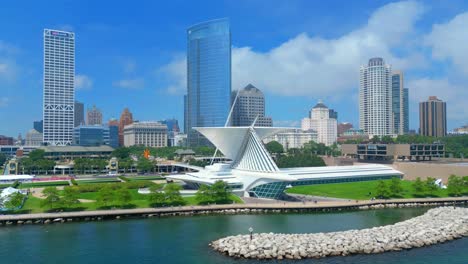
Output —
<point x="148" y="134"/>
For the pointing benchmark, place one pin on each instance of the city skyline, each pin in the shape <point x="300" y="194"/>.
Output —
<point x="426" y="73"/>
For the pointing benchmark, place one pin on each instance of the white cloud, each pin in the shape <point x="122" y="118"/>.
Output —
<point x="83" y="82"/>
<point x="455" y="95"/>
<point x="4" y="101"/>
<point x="450" y="41"/>
<point x="314" y="66"/>
<point x="176" y="73"/>
<point x="136" y="83"/>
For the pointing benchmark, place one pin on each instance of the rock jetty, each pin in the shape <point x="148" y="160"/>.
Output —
<point x="437" y="225"/>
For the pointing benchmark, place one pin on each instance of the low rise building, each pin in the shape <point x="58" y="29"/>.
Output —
<point x="6" y="141"/>
<point x="294" y="138"/>
<point x="96" y="136"/>
<point x="74" y="152"/>
<point x="149" y="134"/>
<point x="383" y="152"/>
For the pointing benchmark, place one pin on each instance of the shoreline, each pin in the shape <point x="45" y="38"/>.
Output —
<point x="437" y="225"/>
<point x="251" y="208"/>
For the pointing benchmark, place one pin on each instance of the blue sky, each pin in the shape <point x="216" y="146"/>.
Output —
<point x="132" y="54"/>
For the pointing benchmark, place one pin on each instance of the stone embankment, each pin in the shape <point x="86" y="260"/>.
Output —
<point x="226" y="209"/>
<point x="437" y="225"/>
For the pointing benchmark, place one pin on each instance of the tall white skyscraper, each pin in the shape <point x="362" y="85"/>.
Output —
<point x="375" y="98"/>
<point x="320" y="121"/>
<point x="59" y="87"/>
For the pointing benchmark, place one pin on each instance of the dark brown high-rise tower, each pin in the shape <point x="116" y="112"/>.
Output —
<point x="433" y="117"/>
<point x="126" y="118"/>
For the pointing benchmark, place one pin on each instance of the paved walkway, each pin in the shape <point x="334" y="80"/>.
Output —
<point x="285" y="205"/>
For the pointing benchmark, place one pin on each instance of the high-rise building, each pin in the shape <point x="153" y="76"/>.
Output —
<point x="172" y="130"/>
<point x="250" y="105"/>
<point x="208" y="77"/>
<point x="375" y="98"/>
<point x="93" y="116"/>
<point x="333" y="114"/>
<point x="433" y="117"/>
<point x="406" y="111"/>
<point x="185" y="114"/>
<point x="33" y="138"/>
<point x="59" y="87"/>
<point x="398" y="103"/>
<point x="148" y="134"/>
<point x="320" y="121"/>
<point x="38" y="126"/>
<point x="113" y="122"/>
<point x="79" y="114"/>
<point x="126" y="118"/>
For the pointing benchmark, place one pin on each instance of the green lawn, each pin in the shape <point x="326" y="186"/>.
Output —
<point x="192" y="201"/>
<point x="358" y="190"/>
<point x="144" y="178"/>
<point x="108" y="180"/>
<point x="33" y="204"/>
<point x="43" y="184"/>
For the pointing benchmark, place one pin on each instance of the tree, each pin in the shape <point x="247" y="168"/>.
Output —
<point x="70" y="196"/>
<point x="220" y="191"/>
<point x="144" y="165"/>
<point x="430" y="185"/>
<point x="52" y="198"/>
<point x="105" y="196"/>
<point x="395" y="187"/>
<point x="382" y="190"/>
<point x="274" y="147"/>
<point x="204" y="195"/>
<point x="2" y="159"/>
<point x="418" y="186"/>
<point x="156" y="197"/>
<point x="172" y="193"/>
<point x="15" y="200"/>
<point x="123" y="196"/>
<point x="36" y="154"/>
<point x="121" y="153"/>
<point x="375" y="139"/>
<point x="455" y="185"/>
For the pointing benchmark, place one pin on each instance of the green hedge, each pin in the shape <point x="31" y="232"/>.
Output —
<point x="114" y="186"/>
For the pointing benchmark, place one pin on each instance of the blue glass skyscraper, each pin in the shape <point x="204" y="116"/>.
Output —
<point x="208" y="77"/>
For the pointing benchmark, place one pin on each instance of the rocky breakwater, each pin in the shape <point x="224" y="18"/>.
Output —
<point x="435" y="226"/>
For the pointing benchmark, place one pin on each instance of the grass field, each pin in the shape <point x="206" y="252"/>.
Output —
<point x="144" y="178"/>
<point x="43" y="184"/>
<point x="105" y="180"/>
<point x="33" y="204"/>
<point x="359" y="190"/>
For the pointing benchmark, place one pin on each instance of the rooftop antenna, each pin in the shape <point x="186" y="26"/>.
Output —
<point x="227" y="122"/>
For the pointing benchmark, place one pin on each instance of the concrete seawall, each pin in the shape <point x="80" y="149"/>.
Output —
<point x="251" y="208"/>
<point x="437" y="225"/>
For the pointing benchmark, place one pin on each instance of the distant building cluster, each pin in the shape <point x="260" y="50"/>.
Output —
<point x="210" y="102"/>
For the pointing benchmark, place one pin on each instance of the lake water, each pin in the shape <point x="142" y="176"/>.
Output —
<point x="185" y="239"/>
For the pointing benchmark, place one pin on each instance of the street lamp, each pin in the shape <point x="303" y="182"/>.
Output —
<point x="250" y="230"/>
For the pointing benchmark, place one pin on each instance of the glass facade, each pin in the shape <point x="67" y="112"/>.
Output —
<point x="89" y="136"/>
<point x="59" y="87"/>
<point x="208" y="77"/>
<point x="396" y="104"/>
<point x="405" y="110"/>
<point x="274" y="190"/>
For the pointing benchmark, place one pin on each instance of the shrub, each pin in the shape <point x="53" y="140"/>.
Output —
<point x="73" y="182"/>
